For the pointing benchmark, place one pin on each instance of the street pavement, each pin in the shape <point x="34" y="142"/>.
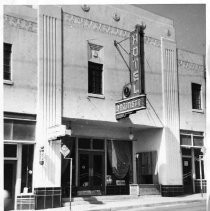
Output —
<point x="194" y="202"/>
<point x="193" y="206"/>
<point x="140" y="203"/>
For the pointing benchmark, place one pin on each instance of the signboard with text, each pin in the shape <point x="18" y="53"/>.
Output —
<point x="129" y="105"/>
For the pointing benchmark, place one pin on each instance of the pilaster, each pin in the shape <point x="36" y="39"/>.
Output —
<point x="49" y="95"/>
<point x="170" y="166"/>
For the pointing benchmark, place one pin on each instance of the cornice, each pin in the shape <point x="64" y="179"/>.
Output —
<point x="20" y="23"/>
<point x="77" y="21"/>
<point x="190" y="66"/>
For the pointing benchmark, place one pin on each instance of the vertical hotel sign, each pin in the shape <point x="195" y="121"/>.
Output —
<point x="137" y="101"/>
<point x="136" y="58"/>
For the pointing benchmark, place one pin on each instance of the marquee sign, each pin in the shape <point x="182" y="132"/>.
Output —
<point x="130" y="105"/>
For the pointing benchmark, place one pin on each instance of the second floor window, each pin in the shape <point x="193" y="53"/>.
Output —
<point x="196" y="96"/>
<point x="7" y="61"/>
<point x="95" y="78"/>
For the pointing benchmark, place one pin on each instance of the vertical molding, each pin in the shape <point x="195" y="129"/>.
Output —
<point x="49" y="95"/>
<point x="171" y="147"/>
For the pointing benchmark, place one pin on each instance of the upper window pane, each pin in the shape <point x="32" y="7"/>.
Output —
<point x="24" y="130"/>
<point x="84" y="143"/>
<point x="196" y="96"/>
<point x="186" y="140"/>
<point x="8" y="129"/>
<point x="7" y="61"/>
<point x="94" y="78"/>
<point x="197" y="141"/>
<point x="98" y="144"/>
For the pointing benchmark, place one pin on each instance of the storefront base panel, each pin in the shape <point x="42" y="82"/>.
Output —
<point x="49" y="197"/>
<point x="117" y="190"/>
<point x="172" y="190"/>
<point x="198" y="186"/>
<point x="26" y="202"/>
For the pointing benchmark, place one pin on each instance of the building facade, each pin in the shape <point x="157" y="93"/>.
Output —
<point x="68" y="71"/>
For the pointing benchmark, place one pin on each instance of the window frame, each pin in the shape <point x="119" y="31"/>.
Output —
<point x="97" y="95"/>
<point x="10" y="80"/>
<point x="192" y="98"/>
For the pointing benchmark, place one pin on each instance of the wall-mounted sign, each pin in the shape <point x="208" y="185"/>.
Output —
<point x="57" y="131"/>
<point x="41" y="155"/>
<point x="129" y="105"/>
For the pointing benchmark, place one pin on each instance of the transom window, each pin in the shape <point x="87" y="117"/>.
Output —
<point x="196" y="96"/>
<point x="191" y="138"/>
<point x="7" y="61"/>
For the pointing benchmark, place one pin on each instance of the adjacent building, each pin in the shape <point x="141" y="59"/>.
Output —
<point x="106" y="86"/>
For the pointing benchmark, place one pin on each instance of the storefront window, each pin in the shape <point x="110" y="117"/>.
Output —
<point x="119" y="161"/>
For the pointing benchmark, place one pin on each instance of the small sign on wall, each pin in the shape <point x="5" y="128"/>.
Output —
<point x="186" y="163"/>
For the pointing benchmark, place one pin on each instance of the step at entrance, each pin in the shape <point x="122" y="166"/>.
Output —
<point x="149" y="189"/>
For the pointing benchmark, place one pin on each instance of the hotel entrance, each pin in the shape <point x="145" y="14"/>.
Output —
<point x="91" y="173"/>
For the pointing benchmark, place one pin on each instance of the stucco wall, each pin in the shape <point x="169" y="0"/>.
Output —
<point x="20" y="31"/>
<point x="191" y="70"/>
<point x="78" y="31"/>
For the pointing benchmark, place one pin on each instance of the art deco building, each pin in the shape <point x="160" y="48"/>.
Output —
<point x="106" y="86"/>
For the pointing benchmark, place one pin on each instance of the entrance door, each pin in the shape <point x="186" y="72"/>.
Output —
<point x="187" y="174"/>
<point x="145" y="165"/>
<point x="91" y="173"/>
<point x="9" y="183"/>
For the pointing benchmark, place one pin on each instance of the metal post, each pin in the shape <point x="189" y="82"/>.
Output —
<point x="70" y="181"/>
<point x="201" y="179"/>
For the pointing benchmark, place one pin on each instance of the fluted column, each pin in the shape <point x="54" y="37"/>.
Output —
<point x="49" y="95"/>
<point x="170" y="157"/>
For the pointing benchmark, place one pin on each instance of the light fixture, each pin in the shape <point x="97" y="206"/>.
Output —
<point x="131" y="136"/>
<point x="68" y="129"/>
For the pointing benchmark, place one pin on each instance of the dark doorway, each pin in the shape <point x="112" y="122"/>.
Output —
<point x="145" y="166"/>
<point x="9" y="183"/>
<point x="187" y="174"/>
<point x="91" y="173"/>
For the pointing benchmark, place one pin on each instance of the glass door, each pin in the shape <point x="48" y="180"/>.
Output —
<point x="91" y="172"/>
<point x="187" y="174"/>
<point x="9" y="183"/>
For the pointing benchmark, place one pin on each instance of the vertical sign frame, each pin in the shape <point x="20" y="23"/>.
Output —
<point x="137" y="60"/>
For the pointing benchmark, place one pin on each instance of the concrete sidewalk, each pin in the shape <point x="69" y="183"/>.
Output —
<point x="141" y="201"/>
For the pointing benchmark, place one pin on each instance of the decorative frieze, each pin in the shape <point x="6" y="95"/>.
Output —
<point x="190" y="65"/>
<point x="93" y="25"/>
<point x="76" y="21"/>
<point x="20" y="23"/>
<point x="152" y="41"/>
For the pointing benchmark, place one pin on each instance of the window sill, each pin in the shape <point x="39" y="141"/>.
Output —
<point x="96" y="96"/>
<point x="8" y="82"/>
<point x="198" y="111"/>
